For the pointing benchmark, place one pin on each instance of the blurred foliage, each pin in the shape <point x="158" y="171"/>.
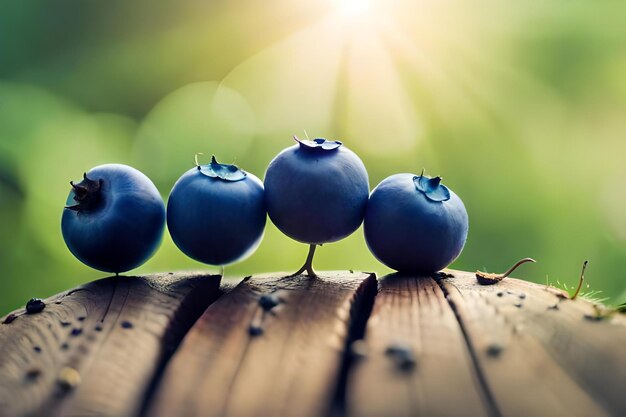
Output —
<point x="519" y="106"/>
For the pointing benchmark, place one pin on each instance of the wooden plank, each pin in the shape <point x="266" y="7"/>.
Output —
<point x="539" y="359"/>
<point x="412" y="313"/>
<point x="94" y="350"/>
<point x="291" y="369"/>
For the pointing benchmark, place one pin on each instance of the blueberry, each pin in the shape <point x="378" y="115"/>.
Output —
<point x="316" y="192"/>
<point x="114" y="219"/>
<point x="415" y="224"/>
<point x="216" y="213"/>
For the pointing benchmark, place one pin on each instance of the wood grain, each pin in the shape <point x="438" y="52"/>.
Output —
<point x="94" y="350"/>
<point x="412" y="312"/>
<point x="511" y="349"/>
<point x="538" y="352"/>
<point x="291" y="369"/>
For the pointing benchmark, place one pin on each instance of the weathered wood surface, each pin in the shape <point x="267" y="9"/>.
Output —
<point x="539" y="352"/>
<point x="291" y="369"/>
<point x="413" y="314"/>
<point x="95" y="350"/>
<point x="331" y="346"/>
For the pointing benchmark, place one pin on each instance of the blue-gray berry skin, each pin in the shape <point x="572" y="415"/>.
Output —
<point x="114" y="218"/>
<point x="216" y="213"/>
<point x="414" y="224"/>
<point x="316" y="191"/>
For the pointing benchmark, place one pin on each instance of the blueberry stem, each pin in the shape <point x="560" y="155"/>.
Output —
<point x="308" y="264"/>
<point x="86" y="193"/>
<point x="514" y="267"/>
<point x="195" y="158"/>
<point x="486" y="278"/>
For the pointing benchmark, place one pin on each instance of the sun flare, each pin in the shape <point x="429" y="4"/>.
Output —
<point x="352" y="8"/>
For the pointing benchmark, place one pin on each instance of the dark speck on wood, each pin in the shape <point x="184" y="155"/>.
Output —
<point x="33" y="373"/>
<point x="127" y="324"/>
<point x="35" y="305"/>
<point x="37" y="349"/>
<point x="254" y="330"/>
<point x="81" y="318"/>
<point x="76" y="331"/>
<point x="10" y="318"/>
<point x="500" y="294"/>
<point x="65" y="323"/>
<point x="402" y="355"/>
<point x="98" y="328"/>
<point x="594" y="317"/>
<point x="65" y="346"/>
<point x="494" y="349"/>
<point x="268" y="301"/>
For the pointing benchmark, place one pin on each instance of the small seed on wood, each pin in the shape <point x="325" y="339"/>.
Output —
<point x="10" y="318"/>
<point x="68" y="378"/>
<point x="35" y="305"/>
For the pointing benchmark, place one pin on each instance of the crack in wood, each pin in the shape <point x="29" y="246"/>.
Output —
<point x="489" y="399"/>
<point x="359" y="315"/>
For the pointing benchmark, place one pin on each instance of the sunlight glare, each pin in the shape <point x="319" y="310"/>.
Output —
<point x="352" y="8"/>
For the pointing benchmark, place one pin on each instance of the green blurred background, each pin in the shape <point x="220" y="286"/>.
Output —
<point x="520" y="106"/>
